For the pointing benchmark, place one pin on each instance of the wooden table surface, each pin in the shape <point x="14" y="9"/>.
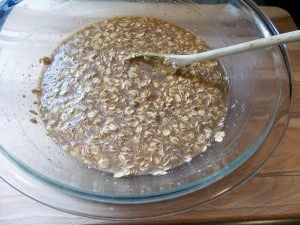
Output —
<point x="274" y="193"/>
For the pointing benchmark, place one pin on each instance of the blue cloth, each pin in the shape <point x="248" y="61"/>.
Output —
<point x="5" y="7"/>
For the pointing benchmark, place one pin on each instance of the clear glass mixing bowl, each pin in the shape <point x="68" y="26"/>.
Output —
<point x="260" y="100"/>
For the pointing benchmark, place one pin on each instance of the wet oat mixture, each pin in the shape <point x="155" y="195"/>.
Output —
<point x="131" y="118"/>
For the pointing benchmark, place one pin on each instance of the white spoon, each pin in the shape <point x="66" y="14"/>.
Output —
<point x="177" y="61"/>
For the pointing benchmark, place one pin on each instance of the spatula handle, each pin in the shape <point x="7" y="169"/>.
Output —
<point x="243" y="47"/>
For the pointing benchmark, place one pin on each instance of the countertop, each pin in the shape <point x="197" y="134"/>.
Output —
<point x="273" y="194"/>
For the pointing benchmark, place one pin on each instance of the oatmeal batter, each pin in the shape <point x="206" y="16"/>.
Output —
<point x="131" y="118"/>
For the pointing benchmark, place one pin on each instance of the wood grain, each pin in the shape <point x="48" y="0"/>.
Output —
<point x="274" y="193"/>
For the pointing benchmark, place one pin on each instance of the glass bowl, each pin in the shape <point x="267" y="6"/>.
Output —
<point x="260" y="101"/>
